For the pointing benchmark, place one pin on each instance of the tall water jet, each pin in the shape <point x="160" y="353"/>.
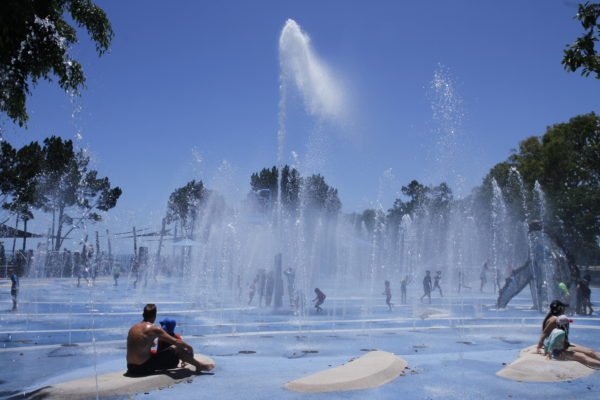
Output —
<point x="446" y="107"/>
<point x="302" y="69"/>
<point x="498" y="217"/>
<point x="322" y="96"/>
<point x="547" y="264"/>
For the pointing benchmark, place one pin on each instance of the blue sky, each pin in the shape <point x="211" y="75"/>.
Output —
<point x="190" y="90"/>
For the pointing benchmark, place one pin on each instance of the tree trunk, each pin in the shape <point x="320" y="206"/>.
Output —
<point x="53" y="223"/>
<point x="110" y="263"/>
<point x="15" y="238"/>
<point x="25" y="234"/>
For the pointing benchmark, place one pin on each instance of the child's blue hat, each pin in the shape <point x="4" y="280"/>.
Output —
<point x="168" y="325"/>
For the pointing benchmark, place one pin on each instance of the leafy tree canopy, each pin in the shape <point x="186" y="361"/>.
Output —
<point x="35" y="43"/>
<point x="566" y="162"/>
<point x="56" y="179"/>
<point x="582" y="53"/>
<point x="316" y="193"/>
<point x="184" y="205"/>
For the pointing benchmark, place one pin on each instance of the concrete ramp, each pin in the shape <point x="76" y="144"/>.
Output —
<point x="374" y="369"/>
<point x="534" y="367"/>
<point x="115" y="384"/>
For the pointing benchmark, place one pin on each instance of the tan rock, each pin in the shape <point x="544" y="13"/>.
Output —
<point x="374" y="369"/>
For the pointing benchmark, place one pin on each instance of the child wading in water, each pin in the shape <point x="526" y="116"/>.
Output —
<point x="388" y="295"/>
<point x="436" y="282"/>
<point x="320" y="299"/>
<point x="14" y="289"/>
<point x="403" y="284"/>
<point x="168" y="325"/>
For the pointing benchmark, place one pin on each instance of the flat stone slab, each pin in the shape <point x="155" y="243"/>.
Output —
<point x="374" y="369"/>
<point x="534" y="367"/>
<point x="116" y="384"/>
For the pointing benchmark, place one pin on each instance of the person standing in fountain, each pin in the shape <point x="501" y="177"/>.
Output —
<point x="436" y="282"/>
<point x="319" y="300"/>
<point x="14" y="289"/>
<point x="116" y="272"/>
<point x="586" y="294"/>
<point x="388" y="295"/>
<point x="403" y="284"/>
<point x="483" y="276"/>
<point x="427" y="286"/>
<point x="252" y="290"/>
<point x="141" y="336"/>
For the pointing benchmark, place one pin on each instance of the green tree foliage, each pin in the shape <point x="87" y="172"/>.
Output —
<point x="313" y="191"/>
<point x="184" y="206"/>
<point x="7" y="169"/>
<point x="417" y="197"/>
<point x="265" y="179"/>
<point x="582" y="53"/>
<point x="19" y="171"/>
<point x="433" y="199"/>
<point x="369" y="220"/>
<point x="566" y="162"/>
<point x="35" y="43"/>
<point x="69" y="190"/>
<point x="290" y="186"/>
<point x="318" y="195"/>
<point x="56" y="179"/>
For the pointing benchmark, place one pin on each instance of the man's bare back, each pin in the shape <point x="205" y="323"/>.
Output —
<point x="139" y="342"/>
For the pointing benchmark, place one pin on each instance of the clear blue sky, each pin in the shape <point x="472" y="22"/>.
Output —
<point x="191" y="79"/>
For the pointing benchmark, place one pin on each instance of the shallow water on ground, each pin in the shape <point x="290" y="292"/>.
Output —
<point x="453" y="346"/>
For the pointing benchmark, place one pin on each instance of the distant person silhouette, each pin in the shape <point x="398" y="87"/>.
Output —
<point x="252" y="290"/>
<point x="116" y="272"/>
<point x="14" y="289"/>
<point x="388" y="295"/>
<point x="403" y="285"/>
<point x="483" y="276"/>
<point x="427" y="286"/>
<point x="319" y="300"/>
<point x="436" y="282"/>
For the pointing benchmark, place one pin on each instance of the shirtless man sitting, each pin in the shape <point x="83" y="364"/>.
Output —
<point x="140" y="361"/>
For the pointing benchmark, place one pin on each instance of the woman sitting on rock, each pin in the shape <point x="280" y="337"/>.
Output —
<point x="555" y="339"/>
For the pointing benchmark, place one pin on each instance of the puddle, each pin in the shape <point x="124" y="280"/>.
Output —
<point x="246" y="352"/>
<point x="465" y="342"/>
<point x="310" y="351"/>
<point x="505" y="340"/>
<point x="367" y="350"/>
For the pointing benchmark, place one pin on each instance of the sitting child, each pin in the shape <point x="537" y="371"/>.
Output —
<point x="168" y="325"/>
<point x="558" y="340"/>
